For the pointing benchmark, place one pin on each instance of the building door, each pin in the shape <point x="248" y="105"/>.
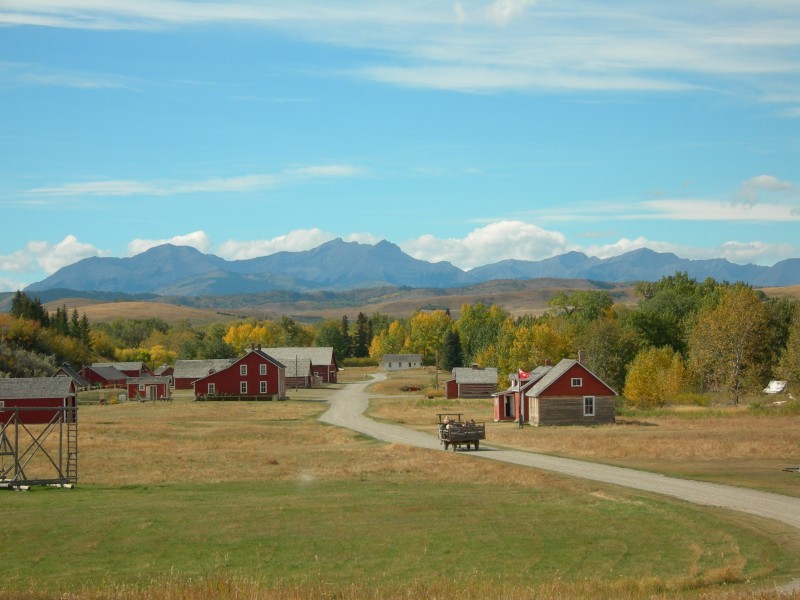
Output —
<point x="152" y="392"/>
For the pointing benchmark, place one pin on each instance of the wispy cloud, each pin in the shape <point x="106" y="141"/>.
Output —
<point x="294" y="241"/>
<point x="491" y="45"/>
<point x="238" y="184"/>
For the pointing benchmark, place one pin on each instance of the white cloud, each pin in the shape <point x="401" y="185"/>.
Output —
<point x="750" y="190"/>
<point x="492" y="243"/>
<point x="46" y="256"/>
<point x="196" y="239"/>
<point x="714" y="210"/>
<point x="294" y="241"/>
<point x="238" y="184"/>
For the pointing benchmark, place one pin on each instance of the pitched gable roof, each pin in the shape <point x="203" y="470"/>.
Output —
<point x="556" y="373"/>
<point x="195" y="369"/>
<point x="471" y="375"/>
<point x="122" y="366"/>
<point x="36" y="387"/>
<point x="322" y="355"/>
<point x="69" y="371"/>
<point x="109" y="373"/>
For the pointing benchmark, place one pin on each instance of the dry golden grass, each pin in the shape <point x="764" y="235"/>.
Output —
<point x="186" y="442"/>
<point x="106" y="312"/>
<point x="734" y="446"/>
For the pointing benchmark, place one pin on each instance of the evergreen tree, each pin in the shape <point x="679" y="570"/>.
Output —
<point x="346" y="341"/>
<point x="452" y="355"/>
<point x="362" y="336"/>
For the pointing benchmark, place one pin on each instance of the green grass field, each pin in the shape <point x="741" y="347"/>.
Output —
<point x="259" y="500"/>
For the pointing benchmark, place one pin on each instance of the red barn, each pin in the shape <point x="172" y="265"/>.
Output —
<point x="186" y="372"/>
<point x="107" y="377"/>
<point x="32" y="397"/>
<point x="323" y="360"/>
<point x="570" y="394"/>
<point x="509" y="403"/>
<point x="130" y="368"/>
<point x="255" y="376"/>
<point x="149" y="388"/>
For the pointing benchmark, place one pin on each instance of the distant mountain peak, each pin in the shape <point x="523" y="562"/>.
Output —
<point x="338" y="265"/>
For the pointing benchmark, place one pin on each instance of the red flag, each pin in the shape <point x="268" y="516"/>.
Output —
<point x="523" y="374"/>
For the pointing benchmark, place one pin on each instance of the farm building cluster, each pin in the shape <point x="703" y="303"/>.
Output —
<point x="565" y="394"/>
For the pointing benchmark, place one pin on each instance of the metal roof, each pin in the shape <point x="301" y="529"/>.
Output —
<point x="402" y="358"/>
<point x="109" y="373"/>
<point x="475" y="375"/>
<point x="322" y="356"/>
<point x="121" y="366"/>
<point x="149" y="380"/>
<point x="195" y="369"/>
<point x="35" y="387"/>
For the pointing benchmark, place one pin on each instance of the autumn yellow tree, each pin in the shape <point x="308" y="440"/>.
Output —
<point x="789" y="364"/>
<point x="391" y="341"/>
<point x="428" y="331"/>
<point x="654" y="377"/>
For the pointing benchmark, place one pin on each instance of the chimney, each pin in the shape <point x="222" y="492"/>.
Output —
<point x="582" y="357"/>
<point x="548" y="362"/>
<point x="252" y="346"/>
<point x="259" y="346"/>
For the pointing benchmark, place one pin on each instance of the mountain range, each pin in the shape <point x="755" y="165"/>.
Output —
<point x="169" y="270"/>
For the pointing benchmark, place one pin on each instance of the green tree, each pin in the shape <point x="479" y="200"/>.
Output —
<point x="479" y="327"/>
<point x="584" y="305"/>
<point x="329" y="334"/>
<point x="362" y="337"/>
<point x="428" y="330"/>
<point x="728" y="339"/>
<point x="788" y="366"/>
<point x="610" y="344"/>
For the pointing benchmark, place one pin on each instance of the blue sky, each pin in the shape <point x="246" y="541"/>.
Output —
<point x="470" y="131"/>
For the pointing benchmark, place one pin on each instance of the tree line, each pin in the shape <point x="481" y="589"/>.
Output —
<point x="681" y="338"/>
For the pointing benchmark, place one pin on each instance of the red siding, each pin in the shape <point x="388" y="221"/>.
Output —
<point x="228" y="381"/>
<point x="591" y="386"/>
<point x="162" y="390"/>
<point x="451" y="389"/>
<point x="33" y="417"/>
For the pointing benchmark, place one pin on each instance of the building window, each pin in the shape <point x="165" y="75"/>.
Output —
<point x="588" y="406"/>
<point x="141" y="387"/>
<point x="263" y="386"/>
<point x="242" y="370"/>
<point x="262" y="369"/>
<point x="577" y="382"/>
<point x="242" y="387"/>
<point x="212" y="388"/>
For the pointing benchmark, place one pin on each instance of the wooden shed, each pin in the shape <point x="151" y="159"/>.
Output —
<point x="104" y="376"/>
<point x="255" y="376"/>
<point x="38" y="394"/>
<point x="570" y="394"/>
<point x="129" y="368"/>
<point x="149" y="388"/>
<point x="471" y="382"/>
<point x="509" y="402"/>
<point x="67" y="370"/>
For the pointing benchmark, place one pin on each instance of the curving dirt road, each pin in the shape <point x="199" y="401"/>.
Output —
<point x="348" y="405"/>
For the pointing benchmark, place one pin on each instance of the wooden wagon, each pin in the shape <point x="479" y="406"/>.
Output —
<point x="455" y="432"/>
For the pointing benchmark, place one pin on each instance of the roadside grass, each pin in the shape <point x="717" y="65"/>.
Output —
<point x="743" y="445"/>
<point x="259" y="500"/>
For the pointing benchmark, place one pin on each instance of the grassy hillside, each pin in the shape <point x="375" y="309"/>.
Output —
<point x="105" y="312"/>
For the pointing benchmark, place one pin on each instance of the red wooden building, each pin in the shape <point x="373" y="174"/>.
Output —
<point x="107" y="377"/>
<point x="186" y="372"/>
<point x="471" y="382"/>
<point x="42" y="396"/>
<point x="570" y="394"/>
<point x="509" y="402"/>
<point x="255" y="376"/>
<point x="149" y="388"/>
<point x="130" y="368"/>
<point x="323" y="360"/>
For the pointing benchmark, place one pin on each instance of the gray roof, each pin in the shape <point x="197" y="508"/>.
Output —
<point x="149" y="380"/>
<point x="195" y="369"/>
<point x="121" y="366"/>
<point x="479" y="375"/>
<point x="35" y="387"/>
<point x="298" y="368"/>
<point x="402" y="357"/>
<point x="69" y="371"/>
<point x="109" y="373"/>
<point x="318" y="356"/>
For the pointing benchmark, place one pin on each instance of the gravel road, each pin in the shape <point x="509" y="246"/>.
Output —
<point x="348" y="405"/>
